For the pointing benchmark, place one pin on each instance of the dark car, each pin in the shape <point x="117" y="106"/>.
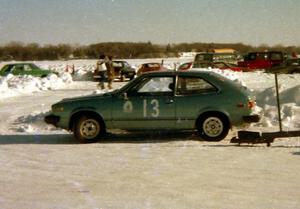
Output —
<point x="290" y="66"/>
<point x="149" y="67"/>
<point x="122" y="70"/>
<point x="165" y="100"/>
<point x="24" y="69"/>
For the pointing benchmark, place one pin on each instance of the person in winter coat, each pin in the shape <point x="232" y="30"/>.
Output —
<point x="110" y="71"/>
<point x="101" y="71"/>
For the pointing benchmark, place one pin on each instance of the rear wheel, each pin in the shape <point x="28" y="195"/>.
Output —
<point x="87" y="129"/>
<point x="213" y="127"/>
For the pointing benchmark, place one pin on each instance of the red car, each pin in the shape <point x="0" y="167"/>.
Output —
<point x="148" y="67"/>
<point x="218" y="65"/>
<point x="262" y="60"/>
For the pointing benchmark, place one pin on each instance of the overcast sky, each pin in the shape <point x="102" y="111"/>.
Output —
<point x="84" y="22"/>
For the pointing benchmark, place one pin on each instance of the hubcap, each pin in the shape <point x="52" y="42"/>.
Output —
<point x="89" y="128"/>
<point x="213" y="127"/>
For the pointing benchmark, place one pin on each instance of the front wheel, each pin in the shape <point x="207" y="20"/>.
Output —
<point x="87" y="129"/>
<point x="213" y="127"/>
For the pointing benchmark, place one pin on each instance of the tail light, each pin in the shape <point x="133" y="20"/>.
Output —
<point x="250" y="104"/>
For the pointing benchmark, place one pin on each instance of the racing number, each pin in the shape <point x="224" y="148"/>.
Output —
<point x="154" y="104"/>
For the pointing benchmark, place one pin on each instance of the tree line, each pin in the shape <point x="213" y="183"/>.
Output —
<point x="121" y="50"/>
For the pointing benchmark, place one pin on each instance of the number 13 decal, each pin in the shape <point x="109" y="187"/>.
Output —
<point x="154" y="105"/>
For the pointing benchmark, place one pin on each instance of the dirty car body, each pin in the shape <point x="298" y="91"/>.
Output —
<point x="167" y="100"/>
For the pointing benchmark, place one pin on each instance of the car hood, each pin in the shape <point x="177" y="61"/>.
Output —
<point x="88" y="97"/>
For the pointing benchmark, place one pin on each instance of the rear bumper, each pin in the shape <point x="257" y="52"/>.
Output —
<point x="52" y="119"/>
<point x="251" y="118"/>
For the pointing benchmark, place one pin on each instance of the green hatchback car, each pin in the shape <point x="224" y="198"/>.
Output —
<point x="166" y="100"/>
<point x="24" y="69"/>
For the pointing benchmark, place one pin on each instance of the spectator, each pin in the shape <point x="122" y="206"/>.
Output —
<point x="101" y="71"/>
<point x="110" y="71"/>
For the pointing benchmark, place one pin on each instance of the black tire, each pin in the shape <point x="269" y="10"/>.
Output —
<point x="213" y="127"/>
<point x="88" y="129"/>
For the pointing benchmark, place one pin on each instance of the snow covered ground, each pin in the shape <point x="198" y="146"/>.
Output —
<point x="44" y="167"/>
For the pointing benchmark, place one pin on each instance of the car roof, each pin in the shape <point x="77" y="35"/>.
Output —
<point x="20" y="63"/>
<point x="151" y="63"/>
<point x="172" y="72"/>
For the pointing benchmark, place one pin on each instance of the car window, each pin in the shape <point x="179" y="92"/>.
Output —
<point x="117" y="64"/>
<point x="17" y="68"/>
<point x="204" y="57"/>
<point x="157" y="85"/>
<point x="6" y="69"/>
<point x="153" y="65"/>
<point x="228" y="57"/>
<point x="276" y="56"/>
<point x="192" y="85"/>
<point x="126" y="64"/>
<point x="219" y="65"/>
<point x="27" y="68"/>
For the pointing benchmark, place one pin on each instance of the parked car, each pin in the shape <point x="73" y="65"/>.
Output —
<point x="290" y="66"/>
<point x="149" y="67"/>
<point x="262" y="60"/>
<point x="165" y="100"/>
<point x="24" y="69"/>
<point x="122" y="70"/>
<point x="218" y="65"/>
<point x="216" y="57"/>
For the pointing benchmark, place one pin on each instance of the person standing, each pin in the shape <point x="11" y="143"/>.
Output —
<point x="101" y="71"/>
<point x="110" y="71"/>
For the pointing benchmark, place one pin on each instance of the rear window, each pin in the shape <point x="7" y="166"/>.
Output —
<point x="192" y="85"/>
<point x="203" y="57"/>
<point x="276" y="56"/>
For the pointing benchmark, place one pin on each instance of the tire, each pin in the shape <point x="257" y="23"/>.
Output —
<point x="213" y="127"/>
<point x="87" y="129"/>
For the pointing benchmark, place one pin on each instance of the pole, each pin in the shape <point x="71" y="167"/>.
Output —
<point x="278" y="102"/>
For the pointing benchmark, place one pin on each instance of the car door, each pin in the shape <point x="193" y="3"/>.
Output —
<point x="193" y="95"/>
<point x="17" y="70"/>
<point x="147" y="105"/>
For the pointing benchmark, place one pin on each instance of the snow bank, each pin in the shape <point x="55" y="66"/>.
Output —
<point x="11" y="85"/>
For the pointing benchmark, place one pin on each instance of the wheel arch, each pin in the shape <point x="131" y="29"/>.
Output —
<point x="212" y="112"/>
<point x="76" y="115"/>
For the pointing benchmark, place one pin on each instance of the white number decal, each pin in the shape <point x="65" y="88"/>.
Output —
<point x="128" y="107"/>
<point x="155" y="108"/>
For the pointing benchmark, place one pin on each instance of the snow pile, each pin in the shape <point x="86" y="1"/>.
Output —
<point x="32" y="123"/>
<point x="19" y="85"/>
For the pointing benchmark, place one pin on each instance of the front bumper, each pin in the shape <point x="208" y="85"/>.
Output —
<point x="251" y="118"/>
<point x="52" y="119"/>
